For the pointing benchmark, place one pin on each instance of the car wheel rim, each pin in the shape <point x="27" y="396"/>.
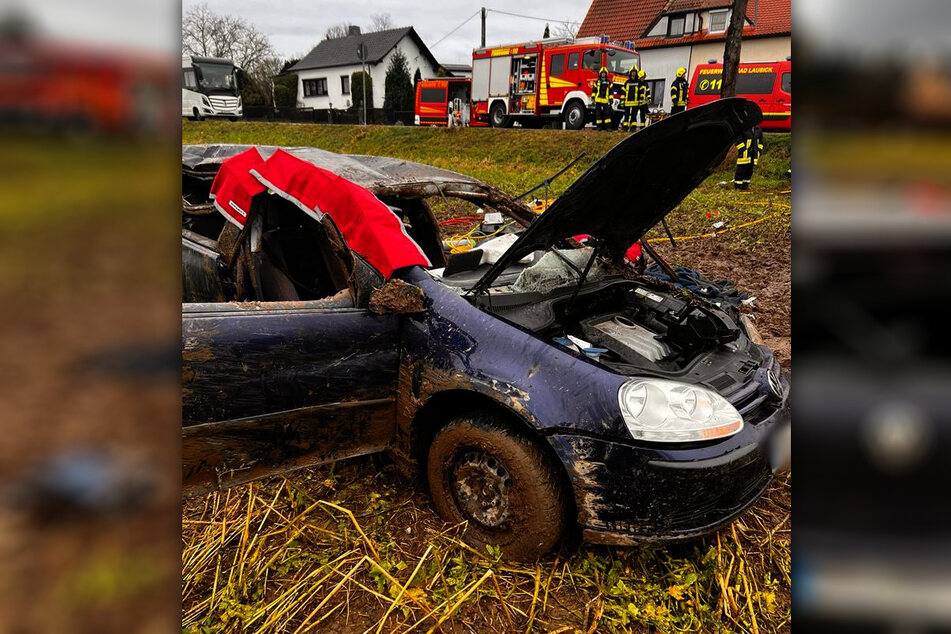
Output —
<point x="573" y="116"/>
<point x="482" y="487"/>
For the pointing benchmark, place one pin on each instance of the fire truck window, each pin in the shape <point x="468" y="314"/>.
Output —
<point x="558" y="64"/>
<point x="432" y="95"/>
<point x="592" y="60"/>
<point x="573" y="61"/>
<point x="755" y="83"/>
<point x="621" y="62"/>
<point x="787" y="82"/>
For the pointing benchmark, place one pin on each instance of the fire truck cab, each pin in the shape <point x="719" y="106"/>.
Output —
<point x="546" y="81"/>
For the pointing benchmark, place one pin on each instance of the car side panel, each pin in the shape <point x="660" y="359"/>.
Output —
<point x="268" y="389"/>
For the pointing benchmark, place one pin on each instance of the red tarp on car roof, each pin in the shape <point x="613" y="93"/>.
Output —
<point x="370" y="228"/>
<point x="234" y="187"/>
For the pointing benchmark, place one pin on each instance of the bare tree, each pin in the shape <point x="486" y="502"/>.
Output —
<point x="731" y="49"/>
<point x="338" y="30"/>
<point x="565" y="29"/>
<point x="380" y="22"/>
<point x="211" y="34"/>
<point x="261" y="77"/>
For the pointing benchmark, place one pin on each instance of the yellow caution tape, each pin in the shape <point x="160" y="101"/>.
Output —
<point x="724" y="230"/>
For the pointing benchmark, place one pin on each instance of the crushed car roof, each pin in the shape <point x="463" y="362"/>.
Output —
<point x="382" y="175"/>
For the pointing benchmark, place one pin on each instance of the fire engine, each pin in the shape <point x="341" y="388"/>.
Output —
<point x="546" y="80"/>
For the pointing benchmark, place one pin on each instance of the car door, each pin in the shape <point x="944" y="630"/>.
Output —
<point x="271" y="386"/>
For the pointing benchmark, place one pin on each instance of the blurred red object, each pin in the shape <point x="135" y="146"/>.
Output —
<point x="74" y="86"/>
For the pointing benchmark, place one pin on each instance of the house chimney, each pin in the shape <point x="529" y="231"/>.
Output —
<point x="353" y="30"/>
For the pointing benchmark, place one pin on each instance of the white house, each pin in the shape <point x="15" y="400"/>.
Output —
<point x="323" y="76"/>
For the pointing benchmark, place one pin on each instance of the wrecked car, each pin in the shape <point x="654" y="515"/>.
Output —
<point x="545" y="388"/>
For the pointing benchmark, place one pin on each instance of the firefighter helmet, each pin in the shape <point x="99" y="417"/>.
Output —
<point x="641" y="74"/>
<point x="603" y="71"/>
<point x="681" y="72"/>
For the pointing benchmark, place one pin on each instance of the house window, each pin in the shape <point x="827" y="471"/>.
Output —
<point x="573" y="61"/>
<point x="315" y="87"/>
<point x="675" y="26"/>
<point x="558" y="64"/>
<point x="719" y="21"/>
<point x="345" y="84"/>
<point x="657" y="92"/>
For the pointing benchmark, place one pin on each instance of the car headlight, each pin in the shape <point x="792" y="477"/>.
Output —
<point x="656" y="410"/>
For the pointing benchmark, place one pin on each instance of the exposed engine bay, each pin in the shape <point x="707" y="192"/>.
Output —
<point x="642" y="327"/>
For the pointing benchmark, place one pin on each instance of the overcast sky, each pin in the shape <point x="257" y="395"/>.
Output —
<point x="296" y="26"/>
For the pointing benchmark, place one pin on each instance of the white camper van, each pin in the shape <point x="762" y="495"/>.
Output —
<point x="210" y="88"/>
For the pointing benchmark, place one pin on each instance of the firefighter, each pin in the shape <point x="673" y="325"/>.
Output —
<point x="643" y="99"/>
<point x="678" y="92"/>
<point x="630" y="100"/>
<point x="601" y="96"/>
<point x="747" y="157"/>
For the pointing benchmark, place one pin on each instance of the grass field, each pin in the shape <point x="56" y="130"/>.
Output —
<point x="353" y="547"/>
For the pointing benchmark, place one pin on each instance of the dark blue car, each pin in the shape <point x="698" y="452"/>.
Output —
<point x="536" y="388"/>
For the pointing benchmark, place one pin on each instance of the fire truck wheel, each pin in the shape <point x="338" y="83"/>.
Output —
<point x="574" y="116"/>
<point x="497" y="115"/>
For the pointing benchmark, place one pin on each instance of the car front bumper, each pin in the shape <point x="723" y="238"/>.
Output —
<point x="627" y="494"/>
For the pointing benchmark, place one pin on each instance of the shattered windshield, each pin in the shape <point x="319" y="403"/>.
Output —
<point x="556" y="268"/>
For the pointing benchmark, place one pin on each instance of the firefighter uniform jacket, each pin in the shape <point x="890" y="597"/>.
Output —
<point x="601" y="91"/>
<point x="750" y="147"/>
<point x="643" y="92"/>
<point x="630" y="91"/>
<point x="678" y="92"/>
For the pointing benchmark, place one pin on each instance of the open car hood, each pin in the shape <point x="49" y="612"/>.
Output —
<point x="638" y="182"/>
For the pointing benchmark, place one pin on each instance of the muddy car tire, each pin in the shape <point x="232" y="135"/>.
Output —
<point x="503" y="484"/>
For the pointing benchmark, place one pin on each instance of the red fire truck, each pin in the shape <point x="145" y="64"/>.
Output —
<point x="767" y="84"/>
<point x="545" y="80"/>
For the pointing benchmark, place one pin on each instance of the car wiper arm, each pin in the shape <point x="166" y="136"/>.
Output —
<point x="584" y="276"/>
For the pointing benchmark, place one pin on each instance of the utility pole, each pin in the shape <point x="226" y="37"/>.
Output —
<point x="362" y="54"/>
<point x="483" y="27"/>
<point x="731" y="50"/>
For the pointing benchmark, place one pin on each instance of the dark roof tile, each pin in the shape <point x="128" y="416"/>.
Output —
<point x="342" y="51"/>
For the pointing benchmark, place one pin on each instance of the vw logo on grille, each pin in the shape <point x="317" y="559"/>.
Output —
<point x="775" y="385"/>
